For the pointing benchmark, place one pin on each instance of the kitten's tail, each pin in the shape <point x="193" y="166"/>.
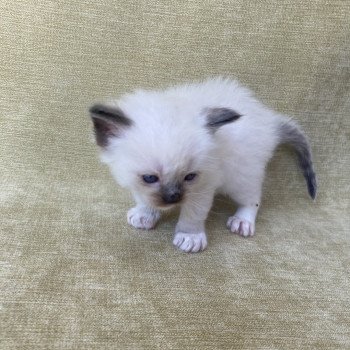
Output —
<point x="290" y="133"/>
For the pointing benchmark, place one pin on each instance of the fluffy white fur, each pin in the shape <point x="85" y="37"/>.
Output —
<point x="169" y="137"/>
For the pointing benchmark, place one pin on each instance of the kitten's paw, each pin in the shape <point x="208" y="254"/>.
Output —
<point x="241" y="226"/>
<point x="143" y="218"/>
<point x="190" y="242"/>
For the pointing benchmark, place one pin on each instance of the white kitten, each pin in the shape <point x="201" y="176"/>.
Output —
<point x="183" y="145"/>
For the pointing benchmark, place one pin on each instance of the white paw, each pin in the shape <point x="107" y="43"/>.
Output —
<point x="241" y="226"/>
<point x="144" y="218"/>
<point x="190" y="242"/>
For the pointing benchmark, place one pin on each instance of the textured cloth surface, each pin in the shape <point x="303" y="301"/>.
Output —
<point x="74" y="275"/>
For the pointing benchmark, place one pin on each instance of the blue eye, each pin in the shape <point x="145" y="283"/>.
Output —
<point x="190" y="177"/>
<point x="150" y="179"/>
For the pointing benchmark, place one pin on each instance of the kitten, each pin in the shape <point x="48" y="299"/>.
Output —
<point x="183" y="145"/>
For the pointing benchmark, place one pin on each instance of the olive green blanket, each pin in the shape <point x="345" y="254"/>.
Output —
<point x="74" y="275"/>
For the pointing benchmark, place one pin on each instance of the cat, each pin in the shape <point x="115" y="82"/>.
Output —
<point x="182" y="145"/>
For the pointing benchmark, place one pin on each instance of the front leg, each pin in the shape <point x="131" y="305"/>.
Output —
<point x="190" y="232"/>
<point x="142" y="216"/>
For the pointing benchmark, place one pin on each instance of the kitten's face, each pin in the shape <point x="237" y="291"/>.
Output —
<point x="162" y="172"/>
<point x="164" y="190"/>
<point x="162" y="160"/>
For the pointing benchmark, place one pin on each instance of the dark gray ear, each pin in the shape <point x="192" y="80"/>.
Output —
<point x="217" y="117"/>
<point x="108" y="122"/>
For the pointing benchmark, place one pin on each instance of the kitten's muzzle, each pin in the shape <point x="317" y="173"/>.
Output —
<point x="171" y="194"/>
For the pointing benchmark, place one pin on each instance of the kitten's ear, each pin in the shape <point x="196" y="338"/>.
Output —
<point x="217" y="117"/>
<point x="108" y="122"/>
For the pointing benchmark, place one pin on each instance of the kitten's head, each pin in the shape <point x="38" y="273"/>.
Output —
<point x="163" y="154"/>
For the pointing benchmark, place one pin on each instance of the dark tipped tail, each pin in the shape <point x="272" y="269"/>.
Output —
<point x="291" y="134"/>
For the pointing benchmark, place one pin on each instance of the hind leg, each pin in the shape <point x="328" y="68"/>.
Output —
<point x="247" y="194"/>
<point x="243" y="221"/>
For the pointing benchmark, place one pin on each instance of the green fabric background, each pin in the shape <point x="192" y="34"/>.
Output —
<point x="74" y="275"/>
